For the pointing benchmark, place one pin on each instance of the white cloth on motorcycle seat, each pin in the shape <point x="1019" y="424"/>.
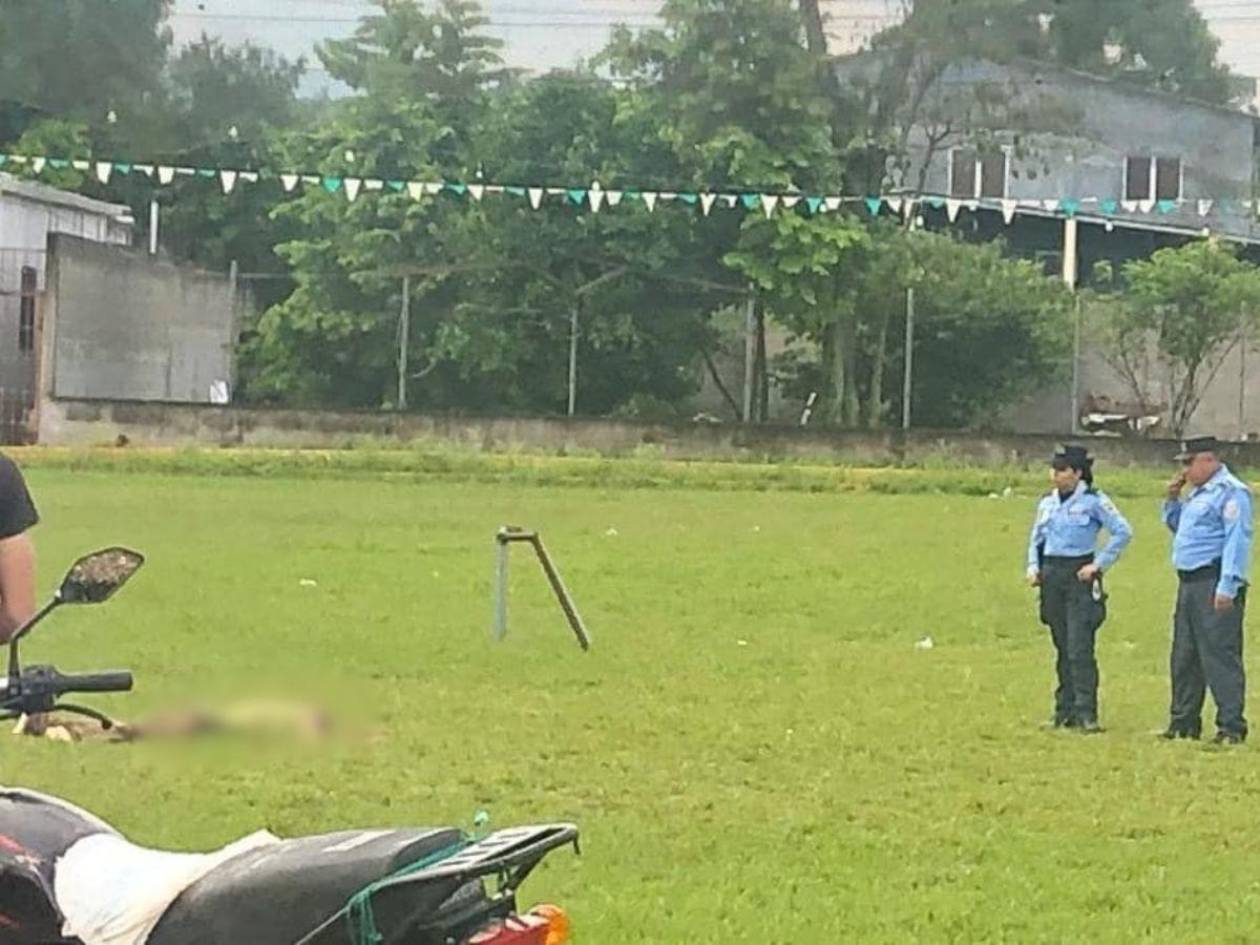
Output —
<point x="112" y="892"/>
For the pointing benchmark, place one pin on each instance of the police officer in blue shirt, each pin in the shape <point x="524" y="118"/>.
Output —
<point x="1212" y="534"/>
<point x="1063" y="563"/>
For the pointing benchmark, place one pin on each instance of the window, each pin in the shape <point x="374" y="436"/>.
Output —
<point x="26" y="310"/>
<point x="1147" y="178"/>
<point x="975" y="174"/>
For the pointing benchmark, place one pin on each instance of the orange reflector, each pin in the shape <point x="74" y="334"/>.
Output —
<point x="517" y="930"/>
<point x="558" y="925"/>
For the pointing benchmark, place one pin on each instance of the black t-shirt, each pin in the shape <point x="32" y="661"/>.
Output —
<point x="17" y="510"/>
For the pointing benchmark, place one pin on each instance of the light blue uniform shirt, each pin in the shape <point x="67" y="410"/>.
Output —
<point x="1213" y="524"/>
<point x="1069" y="528"/>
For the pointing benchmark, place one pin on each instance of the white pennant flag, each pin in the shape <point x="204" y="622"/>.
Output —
<point x="614" y="197"/>
<point x="185" y="171"/>
<point x="669" y="195"/>
<point x="730" y="200"/>
<point x="1205" y="207"/>
<point x="476" y="191"/>
<point x="78" y="165"/>
<point x="535" y="197"/>
<point x="165" y="175"/>
<point x="495" y="189"/>
<point x="596" y="197"/>
<point x="1146" y="206"/>
<point x="22" y="159"/>
<point x="228" y="179"/>
<point x="769" y="202"/>
<point x="373" y="184"/>
<point x="556" y="191"/>
<point x="37" y="165"/>
<point x="415" y="189"/>
<point x="1051" y="205"/>
<point x="311" y="179"/>
<point x="972" y="205"/>
<point x="952" y="207"/>
<point x="433" y="188"/>
<point x="895" y="204"/>
<point x="833" y="203"/>
<point x="288" y="182"/>
<point x="103" y="171"/>
<point x="649" y="198"/>
<point x="791" y="200"/>
<point x="352" y="185"/>
<point x="1129" y="206"/>
<point x="145" y="169"/>
<point x="1008" y="210"/>
<point x="706" y="202"/>
<point x="250" y="177"/>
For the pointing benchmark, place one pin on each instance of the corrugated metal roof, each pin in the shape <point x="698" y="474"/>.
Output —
<point x="42" y="193"/>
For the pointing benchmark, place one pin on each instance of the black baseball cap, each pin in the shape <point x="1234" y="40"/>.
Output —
<point x="1199" y="444"/>
<point x="1071" y="457"/>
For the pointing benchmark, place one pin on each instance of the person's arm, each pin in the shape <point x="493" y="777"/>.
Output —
<point x="1236" y="557"/>
<point x="1172" y="505"/>
<point x="1035" y="539"/>
<point x="1119" y="530"/>
<point x="17" y="583"/>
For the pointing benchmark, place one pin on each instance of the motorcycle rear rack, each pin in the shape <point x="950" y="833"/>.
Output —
<point x="513" y="850"/>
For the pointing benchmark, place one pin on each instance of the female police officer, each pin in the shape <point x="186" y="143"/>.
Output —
<point x="1061" y="561"/>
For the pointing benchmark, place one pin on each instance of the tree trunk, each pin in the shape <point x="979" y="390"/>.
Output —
<point x="762" y="370"/>
<point x="848" y="353"/>
<point x="875" y="401"/>
<point x="833" y="368"/>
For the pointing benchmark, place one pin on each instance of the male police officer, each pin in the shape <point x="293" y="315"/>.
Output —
<point x="1212" y="532"/>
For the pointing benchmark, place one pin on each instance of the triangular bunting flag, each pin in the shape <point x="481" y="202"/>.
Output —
<point x="78" y="165"/>
<point x="250" y="177"/>
<point x="415" y="189"/>
<point x="122" y="168"/>
<point x="614" y="197"/>
<point x="396" y="186"/>
<point x="1051" y="205"/>
<point x="1130" y="206"/>
<point x="833" y="203"/>
<point x="731" y="201"/>
<point x="145" y="169"/>
<point x="791" y="200"/>
<point x="373" y="184"/>
<point x="59" y="164"/>
<point x="768" y="203"/>
<point x="750" y="201"/>
<point x="288" y="182"/>
<point x="688" y="198"/>
<point x="165" y="175"/>
<point x="649" y="198"/>
<point x="972" y="205"/>
<point x="576" y="195"/>
<point x="1071" y="207"/>
<point x="3" y="159"/>
<point x="952" y="207"/>
<point x="597" y="199"/>
<point x="228" y="180"/>
<point x="433" y="188"/>
<point x="205" y="172"/>
<point x="706" y="202"/>
<point x="1108" y="206"/>
<point x="813" y="204"/>
<point x="103" y="171"/>
<point x="37" y="165"/>
<point x="22" y="159"/>
<point x="1167" y="206"/>
<point x="457" y="188"/>
<point x="894" y="204"/>
<point x="556" y="191"/>
<point x="1146" y="206"/>
<point x="351" y="186"/>
<point x="535" y="197"/>
<point x="1205" y="207"/>
<point x="515" y="191"/>
<point x="313" y="179"/>
<point x="477" y="191"/>
<point x="936" y="203"/>
<point x="873" y="204"/>
<point x="1008" y="210"/>
<point x="332" y="184"/>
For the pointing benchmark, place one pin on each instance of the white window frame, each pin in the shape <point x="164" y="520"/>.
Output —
<point x="1152" y="184"/>
<point x="977" y="184"/>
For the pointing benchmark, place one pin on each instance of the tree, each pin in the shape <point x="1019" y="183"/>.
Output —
<point x="1179" y="315"/>
<point x="83" y="60"/>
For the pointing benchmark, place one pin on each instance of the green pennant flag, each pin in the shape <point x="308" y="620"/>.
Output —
<point x="396" y="185"/>
<point x="332" y="184"/>
<point x="576" y="195"/>
<point x="206" y="172"/>
<point x="456" y="188"/>
<point x="1167" y="206"/>
<point x="122" y="168"/>
<point x="1070" y="206"/>
<point x="873" y="204"/>
<point x="689" y="198"/>
<point x="634" y="195"/>
<point x="750" y="201"/>
<point x="58" y="163"/>
<point x="1109" y="207"/>
<point x="936" y="203"/>
<point x="515" y="191"/>
<point x="813" y="203"/>
<point x="4" y="158"/>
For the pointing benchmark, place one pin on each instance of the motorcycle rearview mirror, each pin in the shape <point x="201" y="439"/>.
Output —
<point x="93" y="579"/>
<point x="96" y="577"/>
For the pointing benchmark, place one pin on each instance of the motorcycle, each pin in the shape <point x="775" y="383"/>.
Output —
<point x="69" y="878"/>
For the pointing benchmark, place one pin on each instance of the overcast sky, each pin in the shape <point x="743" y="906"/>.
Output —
<point x="547" y="34"/>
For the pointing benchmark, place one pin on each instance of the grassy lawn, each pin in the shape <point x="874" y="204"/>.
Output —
<point x="755" y="749"/>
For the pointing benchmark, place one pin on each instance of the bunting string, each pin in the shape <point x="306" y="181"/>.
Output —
<point x="597" y="198"/>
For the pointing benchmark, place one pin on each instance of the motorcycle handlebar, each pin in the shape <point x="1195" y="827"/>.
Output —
<point x="120" y="681"/>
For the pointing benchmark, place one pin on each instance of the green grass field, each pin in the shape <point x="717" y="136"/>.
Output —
<point x="755" y="749"/>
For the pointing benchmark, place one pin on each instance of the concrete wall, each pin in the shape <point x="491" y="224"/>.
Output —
<point x="90" y="423"/>
<point x="123" y="325"/>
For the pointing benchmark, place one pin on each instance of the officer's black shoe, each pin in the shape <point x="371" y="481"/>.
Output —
<point x="1172" y="734"/>
<point x="1089" y="726"/>
<point x="1228" y="738"/>
<point x="1062" y="721"/>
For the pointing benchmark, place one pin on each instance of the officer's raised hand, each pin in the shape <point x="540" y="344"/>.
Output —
<point x="1175" y="485"/>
